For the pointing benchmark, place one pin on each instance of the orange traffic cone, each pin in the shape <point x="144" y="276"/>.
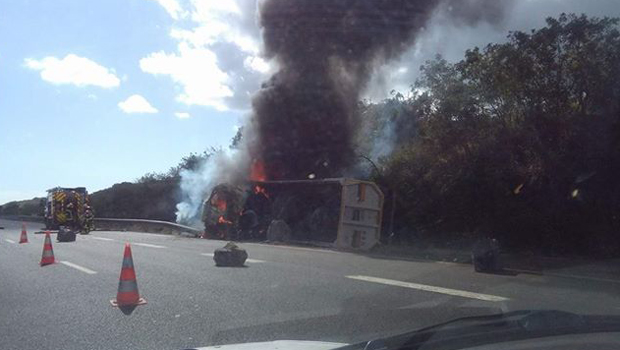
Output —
<point x="23" y="238"/>
<point x="48" y="253"/>
<point x="127" y="286"/>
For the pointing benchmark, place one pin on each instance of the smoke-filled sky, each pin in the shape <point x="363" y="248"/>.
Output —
<point x="305" y="117"/>
<point x="98" y="92"/>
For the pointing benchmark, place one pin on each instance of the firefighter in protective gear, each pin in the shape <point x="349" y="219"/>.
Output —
<point x="89" y="218"/>
<point x="70" y="213"/>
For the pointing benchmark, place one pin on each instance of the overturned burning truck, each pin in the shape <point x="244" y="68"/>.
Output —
<point x="341" y="212"/>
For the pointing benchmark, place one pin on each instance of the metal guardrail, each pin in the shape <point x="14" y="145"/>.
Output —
<point x="27" y="218"/>
<point x="142" y="225"/>
<point x="136" y="225"/>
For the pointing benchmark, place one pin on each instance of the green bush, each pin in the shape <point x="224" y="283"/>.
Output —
<point x="520" y="141"/>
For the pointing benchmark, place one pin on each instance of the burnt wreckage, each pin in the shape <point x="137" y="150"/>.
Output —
<point x="343" y="212"/>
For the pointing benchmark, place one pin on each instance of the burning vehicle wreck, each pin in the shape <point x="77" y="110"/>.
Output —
<point x="340" y="212"/>
<point x="306" y="124"/>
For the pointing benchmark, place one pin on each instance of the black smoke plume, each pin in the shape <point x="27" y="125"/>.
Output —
<point x="305" y="114"/>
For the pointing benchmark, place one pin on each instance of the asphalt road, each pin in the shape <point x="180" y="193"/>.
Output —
<point x="284" y="293"/>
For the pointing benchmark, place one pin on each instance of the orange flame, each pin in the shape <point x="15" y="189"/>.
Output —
<point x="221" y="220"/>
<point x="219" y="203"/>
<point x="259" y="189"/>
<point x="257" y="171"/>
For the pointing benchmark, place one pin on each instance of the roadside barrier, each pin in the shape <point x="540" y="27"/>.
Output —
<point x="134" y="225"/>
<point x="142" y="225"/>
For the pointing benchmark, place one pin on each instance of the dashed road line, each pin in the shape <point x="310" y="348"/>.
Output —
<point x="427" y="288"/>
<point x="252" y="261"/>
<point x="9" y="240"/>
<point x="149" y="245"/>
<point x="78" y="267"/>
<point x="103" y="239"/>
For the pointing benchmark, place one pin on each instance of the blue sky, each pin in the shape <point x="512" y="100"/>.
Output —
<point x="65" y="65"/>
<point x="94" y="93"/>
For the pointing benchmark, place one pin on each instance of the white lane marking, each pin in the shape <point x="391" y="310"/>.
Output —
<point x="149" y="245"/>
<point x="102" y="238"/>
<point x="9" y="240"/>
<point x="255" y="261"/>
<point x="78" y="267"/>
<point x="427" y="288"/>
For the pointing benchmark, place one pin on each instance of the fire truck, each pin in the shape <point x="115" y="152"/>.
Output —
<point x="68" y="209"/>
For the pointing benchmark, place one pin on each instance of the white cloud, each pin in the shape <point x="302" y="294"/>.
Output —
<point x="173" y="8"/>
<point x="196" y="70"/>
<point x="213" y="32"/>
<point x="218" y="21"/>
<point x="75" y="70"/>
<point x="136" y="104"/>
<point x="182" y="115"/>
<point x="216" y="62"/>
<point x="204" y="11"/>
<point x="256" y="63"/>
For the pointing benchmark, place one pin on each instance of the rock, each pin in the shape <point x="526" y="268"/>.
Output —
<point x="230" y="255"/>
<point x="65" y="235"/>
<point x="278" y="231"/>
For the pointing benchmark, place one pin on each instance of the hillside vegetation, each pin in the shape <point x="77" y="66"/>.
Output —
<point x="30" y="207"/>
<point x="519" y="141"/>
<point x="153" y="196"/>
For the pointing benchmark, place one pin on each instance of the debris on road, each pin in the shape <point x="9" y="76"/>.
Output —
<point x="66" y="235"/>
<point x="230" y="256"/>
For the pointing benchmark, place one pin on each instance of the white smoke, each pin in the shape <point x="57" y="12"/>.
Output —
<point x="449" y="38"/>
<point x="384" y="142"/>
<point x="196" y="185"/>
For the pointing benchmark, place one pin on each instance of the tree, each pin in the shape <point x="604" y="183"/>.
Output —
<point x="10" y="209"/>
<point x="519" y="140"/>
